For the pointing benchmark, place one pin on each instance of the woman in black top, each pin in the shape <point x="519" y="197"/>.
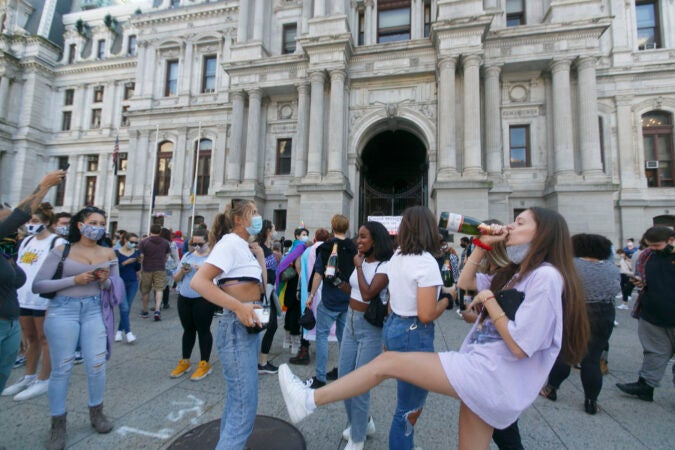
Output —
<point x="264" y="239"/>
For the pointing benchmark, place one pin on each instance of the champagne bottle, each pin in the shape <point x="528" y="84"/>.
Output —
<point x="446" y="273"/>
<point x="456" y="223"/>
<point x="331" y="265"/>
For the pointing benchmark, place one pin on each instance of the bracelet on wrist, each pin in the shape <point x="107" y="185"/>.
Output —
<point x="478" y="243"/>
<point x="473" y="262"/>
<point x="492" y="297"/>
<point x="499" y="316"/>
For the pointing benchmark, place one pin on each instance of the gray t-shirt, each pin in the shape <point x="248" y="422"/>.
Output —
<point x="601" y="280"/>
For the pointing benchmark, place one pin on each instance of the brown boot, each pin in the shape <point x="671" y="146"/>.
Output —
<point x="57" y="435"/>
<point x="98" y="420"/>
<point x="302" y="358"/>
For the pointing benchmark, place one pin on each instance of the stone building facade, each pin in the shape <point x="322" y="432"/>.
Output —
<point x="360" y="107"/>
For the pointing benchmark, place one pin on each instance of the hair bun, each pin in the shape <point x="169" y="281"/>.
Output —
<point x="46" y="206"/>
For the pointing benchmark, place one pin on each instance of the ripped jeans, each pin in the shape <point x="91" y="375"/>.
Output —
<point x="407" y="334"/>
<point x="68" y="321"/>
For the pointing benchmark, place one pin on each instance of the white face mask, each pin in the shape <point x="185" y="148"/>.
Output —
<point x="34" y="228"/>
<point x="517" y="253"/>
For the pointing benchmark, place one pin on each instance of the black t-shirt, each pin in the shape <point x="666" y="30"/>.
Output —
<point x="658" y="304"/>
<point x="11" y="275"/>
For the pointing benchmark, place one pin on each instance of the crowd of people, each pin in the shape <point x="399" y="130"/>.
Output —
<point x="539" y="300"/>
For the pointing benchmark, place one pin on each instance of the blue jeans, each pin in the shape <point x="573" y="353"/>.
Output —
<point x="68" y="321"/>
<point x="238" y="353"/>
<point x="125" y="306"/>
<point x="361" y="343"/>
<point x="324" y="320"/>
<point x="407" y="335"/>
<point x="10" y="341"/>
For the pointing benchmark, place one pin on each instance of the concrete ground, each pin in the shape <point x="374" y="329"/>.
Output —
<point x="150" y="410"/>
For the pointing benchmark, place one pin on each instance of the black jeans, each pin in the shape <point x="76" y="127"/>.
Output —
<point x="626" y="287"/>
<point x="601" y="317"/>
<point x="271" y="328"/>
<point x="195" y="316"/>
<point x="292" y="304"/>
<point x="508" y="438"/>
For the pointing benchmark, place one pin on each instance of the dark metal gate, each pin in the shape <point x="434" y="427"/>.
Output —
<point x="379" y="203"/>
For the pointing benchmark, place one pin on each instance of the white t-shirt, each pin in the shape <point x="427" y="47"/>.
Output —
<point x="369" y="271"/>
<point x="30" y="259"/>
<point x="232" y="255"/>
<point x="406" y="273"/>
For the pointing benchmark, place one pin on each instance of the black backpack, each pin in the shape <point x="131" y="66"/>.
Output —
<point x="346" y="253"/>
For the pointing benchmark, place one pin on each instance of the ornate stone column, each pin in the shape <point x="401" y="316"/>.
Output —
<point x="336" y="128"/>
<point x="149" y="71"/>
<point x="4" y="94"/>
<point x="447" y="150"/>
<point x="83" y="110"/>
<point x="493" y="120"/>
<point x="300" y="144"/>
<point x="369" y="25"/>
<point x="242" y="30"/>
<point x="307" y="12"/>
<point x="319" y="8"/>
<point x="338" y="6"/>
<point x="233" y="168"/>
<point x="258" y="20"/>
<point x="186" y="78"/>
<point x="562" y="118"/>
<point x="253" y="135"/>
<point x="472" y="147"/>
<point x="591" y="162"/>
<point x="629" y="169"/>
<point x="314" y="157"/>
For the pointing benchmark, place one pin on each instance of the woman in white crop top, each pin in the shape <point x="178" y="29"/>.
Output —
<point x="238" y="267"/>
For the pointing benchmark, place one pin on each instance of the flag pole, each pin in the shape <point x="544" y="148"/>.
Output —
<point x="194" y="183"/>
<point x="152" y="180"/>
<point x="114" y="183"/>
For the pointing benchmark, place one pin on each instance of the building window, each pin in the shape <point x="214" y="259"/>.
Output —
<point x="124" y="122"/>
<point x="393" y="21"/>
<point x="92" y="163"/>
<point x="163" y="177"/>
<point x="129" y="90"/>
<point x="98" y="94"/>
<point x="122" y="159"/>
<point x="61" y="187"/>
<point x="69" y="96"/>
<point x="96" y="118"/>
<point x="65" y="120"/>
<point x="648" y="30"/>
<point x="519" y="145"/>
<point x="362" y="28"/>
<point x="204" y="168"/>
<point x="171" y="78"/>
<point x="657" y="136"/>
<point x="283" y="156"/>
<point x="209" y="74"/>
<point x="121" y="184"/>
<point x="100" y="53"/>
<point x="175" y="3"/>
<point x="131" y="45"/>
<point x="427" y="19"/>
<point x="601" y="133"/>
<point x="290" y="32"/>
<point x="90" y="191"/>
<point x="72" y="49"/>
<point x="515" y="13"/>
<point x="279" y="219"/>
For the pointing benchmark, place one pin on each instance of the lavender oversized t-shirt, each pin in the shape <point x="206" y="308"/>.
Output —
<point x="488" y="378"/>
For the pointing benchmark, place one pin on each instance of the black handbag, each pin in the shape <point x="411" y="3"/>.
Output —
<point x="376" y="312"/>
<point x="59" y="270"/>
<point x="510" y="300"/>
<point x="307" y="320"/>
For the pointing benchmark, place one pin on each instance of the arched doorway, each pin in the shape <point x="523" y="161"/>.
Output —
<point x="394" y="172"/>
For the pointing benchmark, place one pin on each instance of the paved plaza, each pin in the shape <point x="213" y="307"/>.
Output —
<point x="150" y="410"/>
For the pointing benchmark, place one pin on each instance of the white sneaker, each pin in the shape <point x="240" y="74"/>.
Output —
<point x="19" y="386"/>
<point x="37" y="388"/>
<point x="295" y="393"/>
<point x="118" y="336"/>
<point x="370" y="430"/>
<point x="616" y="324"/>
<point x="351" y="445"/>
<point x="131" y="338"/>
<point x="622" y="306"/>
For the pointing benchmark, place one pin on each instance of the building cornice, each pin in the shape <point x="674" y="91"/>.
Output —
<point x="546" y="33"/>
<point x="185" y="14"/>
<point x="110" y="64"/>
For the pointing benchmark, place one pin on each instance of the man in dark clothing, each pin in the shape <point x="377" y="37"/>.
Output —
<point x="334" y="293"/>
<point x="11" y="275"/>
<point x="154" y="251"/>
<point x="655" y="310"/>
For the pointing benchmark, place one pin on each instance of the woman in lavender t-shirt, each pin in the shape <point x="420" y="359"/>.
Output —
<point x="502" y="364"/>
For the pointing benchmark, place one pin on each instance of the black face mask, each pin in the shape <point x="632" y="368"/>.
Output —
<point x="665" y="251"/>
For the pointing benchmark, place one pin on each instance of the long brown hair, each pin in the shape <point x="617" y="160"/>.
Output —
<point x="224" y="222"/>
<point x="552" y="244"/>
<point x="418" y="232"/>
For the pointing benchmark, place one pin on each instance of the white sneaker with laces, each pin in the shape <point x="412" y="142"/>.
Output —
<point x="351" y="445"/>
<point x="118" y="336"/>
<point x="622" y="306"/>
<point x="19" y="386"/>
<point x="370" y="430"/>
<point x="295" y="394"/>
<point x="131" y="338"/>
<point x="37" y="388"/>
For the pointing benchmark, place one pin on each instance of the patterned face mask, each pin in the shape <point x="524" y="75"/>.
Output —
<point x="92" y="232"/>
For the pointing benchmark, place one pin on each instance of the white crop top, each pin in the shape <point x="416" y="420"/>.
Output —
<point x="233" y="256"/>
<point x="369" y="271"/>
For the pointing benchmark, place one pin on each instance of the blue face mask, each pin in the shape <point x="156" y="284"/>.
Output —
<point x="131" y="245"/>
<point x="256" y="225"/>
<point x="92" y="232"/>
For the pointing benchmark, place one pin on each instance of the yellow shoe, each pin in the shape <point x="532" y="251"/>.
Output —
<point x="202" y="371"/>
<point x="181" y="368"/>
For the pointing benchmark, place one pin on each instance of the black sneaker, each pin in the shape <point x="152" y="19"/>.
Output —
<point x="268" y="368"/>
<point x="640" y="389"/>
<point x="166" y="306"/>
<point x="332" y="375"/>
<point x="158" y="317"/>
<point x="144" y="315"/>
<point x="314" y="383"/>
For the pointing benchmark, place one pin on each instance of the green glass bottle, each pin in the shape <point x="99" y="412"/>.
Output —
<point x="456" y="223"/>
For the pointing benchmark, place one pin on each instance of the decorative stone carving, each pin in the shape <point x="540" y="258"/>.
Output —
<point x="284" y="111"/>
<point x="519" y="93"/>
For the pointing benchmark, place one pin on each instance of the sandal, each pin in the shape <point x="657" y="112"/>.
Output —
<point x="549" y="392"/>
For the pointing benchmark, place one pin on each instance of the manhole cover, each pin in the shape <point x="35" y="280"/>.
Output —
<point x="269" y="433"/>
